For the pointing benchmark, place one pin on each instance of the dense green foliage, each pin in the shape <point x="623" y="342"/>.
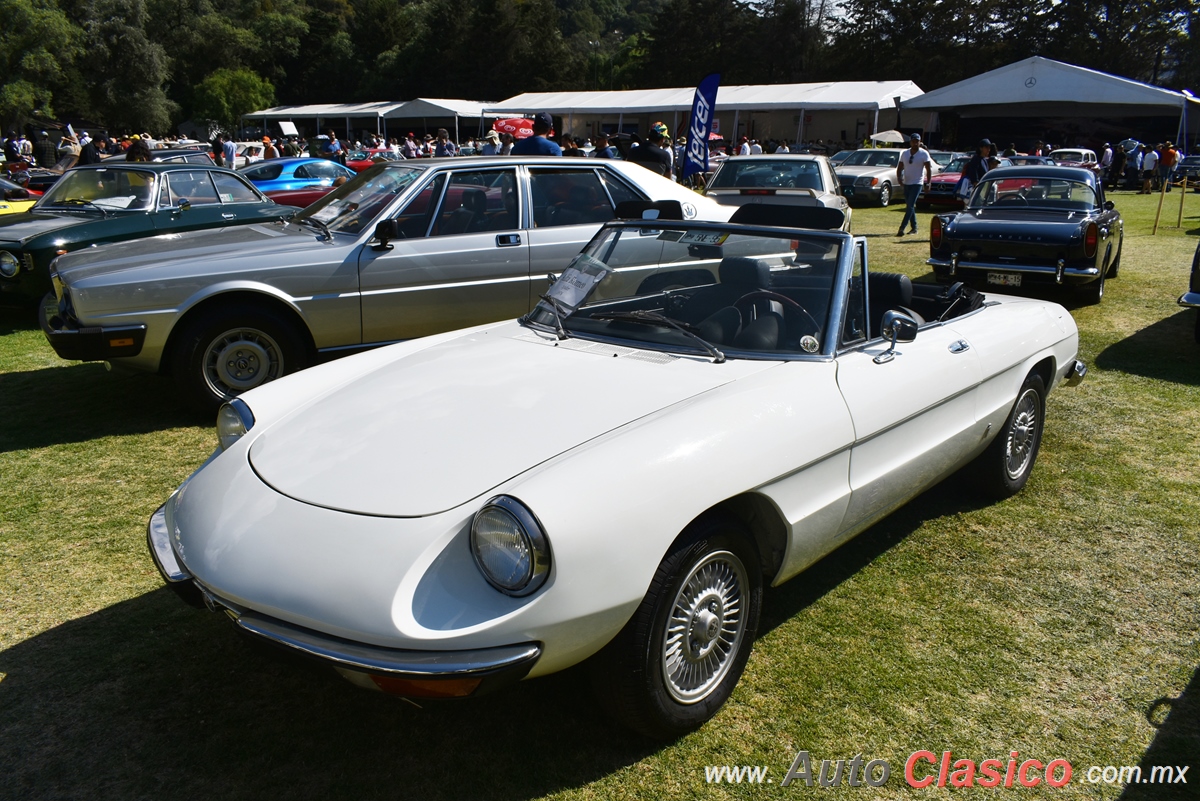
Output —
<point x="146" y="63"/>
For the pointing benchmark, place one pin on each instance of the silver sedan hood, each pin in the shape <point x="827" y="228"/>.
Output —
<point x="206" y="250"/>
<point x="432" y="430"/>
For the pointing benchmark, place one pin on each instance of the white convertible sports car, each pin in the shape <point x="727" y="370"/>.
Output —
<point x="694" y="410"/>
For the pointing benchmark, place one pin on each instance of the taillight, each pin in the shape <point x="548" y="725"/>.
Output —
<point x="1091" y="238"/>
<point x="935" y="233"/>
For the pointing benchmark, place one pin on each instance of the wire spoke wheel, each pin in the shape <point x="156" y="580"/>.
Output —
<point x="1022" y="435"/>
<point x="705" y="627"/>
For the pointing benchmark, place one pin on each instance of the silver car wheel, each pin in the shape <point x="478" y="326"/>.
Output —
<point x="705" y="628"/>
<point x="241" y="359"/>
<point x="1022" y="435"/>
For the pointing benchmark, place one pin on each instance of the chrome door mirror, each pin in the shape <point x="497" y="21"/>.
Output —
<point x="899" y="327"/>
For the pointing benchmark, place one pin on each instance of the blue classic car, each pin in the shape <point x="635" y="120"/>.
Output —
<point x="297" y="173"/>
<point x="1191" y="298"/>
<point x="1031" y="226"/>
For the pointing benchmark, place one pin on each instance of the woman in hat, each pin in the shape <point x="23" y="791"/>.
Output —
<point x="491" y="144"/>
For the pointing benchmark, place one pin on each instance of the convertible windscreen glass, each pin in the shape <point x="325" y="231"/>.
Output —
<point x="353" y="206"/>
<point x="105" y="190"/>
<point x="698" y="291"/>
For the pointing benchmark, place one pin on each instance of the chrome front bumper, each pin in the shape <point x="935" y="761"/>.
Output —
<point x="1190" y="299"/>
<point x="1058" y="273"/>
<point x="392" y="669"/>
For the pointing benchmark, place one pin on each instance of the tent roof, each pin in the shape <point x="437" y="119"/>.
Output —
<point x="1038" y="86"/>
<point x="767" y="97"/>
<point x="411" y="109"/>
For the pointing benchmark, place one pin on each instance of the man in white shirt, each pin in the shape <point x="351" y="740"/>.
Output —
<point x="755" y="148"/>
<point x="913" y="172"/>
<point x="744" y="150"/>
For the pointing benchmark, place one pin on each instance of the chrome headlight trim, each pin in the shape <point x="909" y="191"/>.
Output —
<point x="10" y="265"/>
<point x="527" y="553"/>
<point x="234" y="419"/>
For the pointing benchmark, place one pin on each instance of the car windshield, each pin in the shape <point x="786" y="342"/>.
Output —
<point x="777" y="174"/>
<point x="703" y="290"/>
<point x="353" y="206"/>
<point x="1067" y="155"/>
<point x="1191" y="161"/>
<point x="958" y="165"/>
<point x="1042" y="193"/>
<point x="871" y="158"/>
<point x="106" y="188"/>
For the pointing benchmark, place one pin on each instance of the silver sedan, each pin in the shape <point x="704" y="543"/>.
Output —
<point x="406" y="249"/>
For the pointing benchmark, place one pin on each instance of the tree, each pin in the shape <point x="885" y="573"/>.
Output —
<point x="37" y="46"/>
<point x="226" y="95"/>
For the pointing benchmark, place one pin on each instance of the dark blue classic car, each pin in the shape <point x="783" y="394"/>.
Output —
<point x="1191" y="298"/>
<point x="1031" y="226"/>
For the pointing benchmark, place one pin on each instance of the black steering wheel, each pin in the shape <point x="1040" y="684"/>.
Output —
<point x="766" y="294"/>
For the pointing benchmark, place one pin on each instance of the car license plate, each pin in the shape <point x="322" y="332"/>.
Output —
<point x="1004" y="279"/>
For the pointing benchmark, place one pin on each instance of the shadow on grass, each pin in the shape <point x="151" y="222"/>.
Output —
<point x="148" y="698"/>
<point x="1176" y="743"/>
<point x="1166" y="350"/>
<point x="82" y="402"/>
<point x="153" y="699"/>
<point x="14" y="319"/>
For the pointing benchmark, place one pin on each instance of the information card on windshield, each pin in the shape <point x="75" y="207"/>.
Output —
<point x="577" y="282"/>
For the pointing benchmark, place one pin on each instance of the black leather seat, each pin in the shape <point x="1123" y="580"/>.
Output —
<point x="738" y="276"/>
<point x="888" y="291"/>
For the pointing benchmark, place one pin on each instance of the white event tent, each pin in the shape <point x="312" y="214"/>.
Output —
<point x="799" y="110"/>
<point x="429" y="112"/>
<point x="1043" y="87"/>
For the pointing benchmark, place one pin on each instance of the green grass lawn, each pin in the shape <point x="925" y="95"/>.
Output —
<point x="1062" y="623"/>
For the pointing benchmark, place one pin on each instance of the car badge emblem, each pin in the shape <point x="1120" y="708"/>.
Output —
<point x="809" y="344"/>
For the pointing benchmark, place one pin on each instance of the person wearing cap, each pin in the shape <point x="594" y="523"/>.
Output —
<point x="651" y="154"/>
<point x="491" y="144"/>
<point x="269" y="149"/>
<point x="978" y="165"/>
<point x="538" y="144"/>
<point x="410" y="149"/>
<point x="913" y="173"/>
<point x="44" y="151"/>
<point x="1106" y="157"/>
<point x="603" y="150"/>
<point x="744" y="147"/>
<point x="1167" y="156"/>
<point x="90" y="153"/>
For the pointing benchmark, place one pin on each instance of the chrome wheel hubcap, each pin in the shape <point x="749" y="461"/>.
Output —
<point x="241" y="359"/>
<point x="705" y="627"/>
<point x="1022" y="435"/>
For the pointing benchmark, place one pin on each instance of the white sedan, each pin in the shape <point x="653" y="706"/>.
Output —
<point x="693" y="411"/>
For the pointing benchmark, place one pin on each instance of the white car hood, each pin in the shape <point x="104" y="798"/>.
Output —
<point x="430" y="431"/>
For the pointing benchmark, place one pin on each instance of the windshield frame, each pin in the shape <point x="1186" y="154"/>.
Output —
<point x="47" y="201"/>
<point x="419" y="173"/>
<point x="975" y="203"/>
<point x="829" y="341"/>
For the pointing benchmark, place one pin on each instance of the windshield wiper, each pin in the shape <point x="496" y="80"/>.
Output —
<point x="78" y="201"/>
<point x="322" y="227"/>
<point x="654" y="318"/>
<point x="557" y="311"/>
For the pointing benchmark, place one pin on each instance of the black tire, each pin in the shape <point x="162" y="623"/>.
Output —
<point x="885" y="194"/>
<point x="1093" y="292"/>
<point x="664" y="681"/>
<point x="1002" y="470"/>
<point x="256" y="343"/>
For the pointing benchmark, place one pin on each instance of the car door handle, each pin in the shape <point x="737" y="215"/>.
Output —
<point x="228" y="216"/>
<point x="508" y="240"/>
<point x="961" y="346"/>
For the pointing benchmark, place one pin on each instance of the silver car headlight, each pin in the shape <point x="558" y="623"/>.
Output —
<point x="234" y="419"/>
<point x="865" y="180"/>
<point x="10" y="265"/>
<point x="510" y="547"/>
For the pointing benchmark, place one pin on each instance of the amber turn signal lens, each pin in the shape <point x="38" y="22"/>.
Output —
<point x="426" y="688"/>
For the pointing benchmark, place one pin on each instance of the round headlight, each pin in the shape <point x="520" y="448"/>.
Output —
<point x="510" y="547"/>
<point x="233" y="421"/>
<point x="10" y="265"/>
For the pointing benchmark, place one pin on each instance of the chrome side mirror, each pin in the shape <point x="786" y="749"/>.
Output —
<point x="184" y="204"/>
<point x="898" y="327"/>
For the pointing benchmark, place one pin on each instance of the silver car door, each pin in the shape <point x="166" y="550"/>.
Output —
<point x="914" y="414"/>
<point x="567" y="206"/>
<point x="463" y="259"/>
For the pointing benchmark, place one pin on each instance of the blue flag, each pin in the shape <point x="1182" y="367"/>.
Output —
<point x="703" y="108"/>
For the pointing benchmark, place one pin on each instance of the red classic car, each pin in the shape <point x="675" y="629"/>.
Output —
<point x="940" y="191"/>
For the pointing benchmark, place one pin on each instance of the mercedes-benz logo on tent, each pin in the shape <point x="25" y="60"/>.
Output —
<point x="1030" y="82"/>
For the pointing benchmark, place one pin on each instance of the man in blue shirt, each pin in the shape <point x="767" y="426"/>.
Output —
<point x="228" y="151"/>
<point x="538" y="144"/>
<point x="603" y="149"/>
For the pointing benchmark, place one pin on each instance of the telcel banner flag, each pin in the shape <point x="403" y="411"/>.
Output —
<point x="702" y="120"/>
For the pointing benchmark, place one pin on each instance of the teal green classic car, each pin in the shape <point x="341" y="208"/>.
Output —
<point x="113" y="202"/>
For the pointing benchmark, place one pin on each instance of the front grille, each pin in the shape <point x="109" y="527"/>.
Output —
<point x="27" y="261"/>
